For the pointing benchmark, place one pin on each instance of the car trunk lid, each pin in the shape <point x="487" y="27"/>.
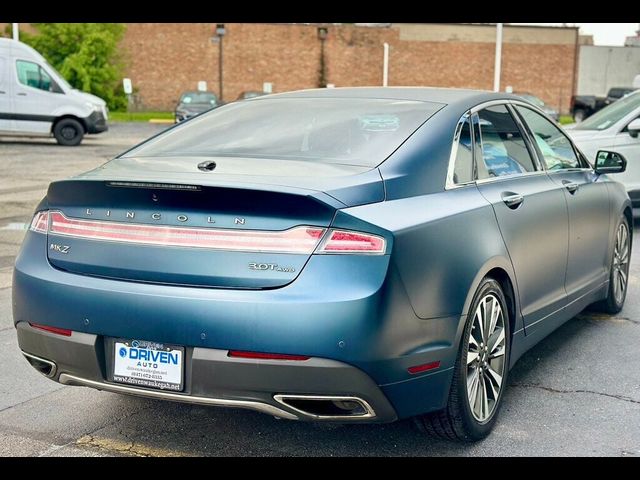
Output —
<point x="177" y="226"/>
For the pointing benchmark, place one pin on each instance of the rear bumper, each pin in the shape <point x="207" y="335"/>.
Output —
<point x="213" y="378"/>
<point x="359" y="329"/>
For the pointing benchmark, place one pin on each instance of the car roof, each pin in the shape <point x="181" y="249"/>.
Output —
<point x="449" y="96"/>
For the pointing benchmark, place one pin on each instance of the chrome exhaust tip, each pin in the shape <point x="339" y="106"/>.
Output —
<point x="44" y="366"/>
<point x="325" y="407"/>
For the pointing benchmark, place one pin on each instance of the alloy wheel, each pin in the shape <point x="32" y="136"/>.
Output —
<point x="621" y="263"/>
<point x="486" y="358"/>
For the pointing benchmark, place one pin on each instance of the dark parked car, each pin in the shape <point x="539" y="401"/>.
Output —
<point x="538" y="102"/>
<point x="194" y="103"/>
<point x="348" y="254"/>
<point x="250" y="94"/>
<point x="583" y="106"/>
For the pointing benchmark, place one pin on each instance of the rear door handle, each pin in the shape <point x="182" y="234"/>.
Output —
<point x="512" y="200"/>
<point x="572" y="187"/>
<point x="22" y="94"/>
<point x="2" y="92"/>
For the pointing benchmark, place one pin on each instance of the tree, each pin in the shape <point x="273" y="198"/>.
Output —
<point x="86" y="54"/>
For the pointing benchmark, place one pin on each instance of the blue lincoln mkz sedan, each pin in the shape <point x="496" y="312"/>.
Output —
<point x="353" y="255"/>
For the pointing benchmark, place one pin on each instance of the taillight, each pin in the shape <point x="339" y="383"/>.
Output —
<point x="58" y="331"/>
<point x="343" y="241"/>
<point x="302" y="240"/>
<point x="40" y="222"/>
<point x="294" y="240"/>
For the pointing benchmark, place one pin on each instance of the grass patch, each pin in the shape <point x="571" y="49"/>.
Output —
<point x="566" y="119"/>
<point x="139" y="116"/>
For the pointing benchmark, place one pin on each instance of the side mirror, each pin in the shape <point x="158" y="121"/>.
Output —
<point x="634" y="128"/>
<point x="610" y="162"/>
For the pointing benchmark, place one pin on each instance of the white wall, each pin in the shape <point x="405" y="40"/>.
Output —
<point x="601" y="68"/>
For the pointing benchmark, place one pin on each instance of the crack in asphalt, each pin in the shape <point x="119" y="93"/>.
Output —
<point x="127" y="446"/>
<point x="607" y="317"/>
<point x="626" y="319"/>
<point x="593" y="392"/>
<point x="102" y="444"/>
<point x="31" y="399"/>
<point x="110" y="445"/>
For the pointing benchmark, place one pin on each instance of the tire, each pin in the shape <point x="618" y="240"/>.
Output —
<point x="579" y="115"/>
<point x="457" y="421"/>
<point x="68" y="132"/>
<point x="618" y="271"/>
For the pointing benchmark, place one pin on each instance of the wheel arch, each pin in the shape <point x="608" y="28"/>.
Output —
<point x="73" y="117"/>
<point x="628" y="213"/>
<point x="501" y="270"/>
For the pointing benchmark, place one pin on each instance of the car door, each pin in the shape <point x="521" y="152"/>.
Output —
<point x="629" y="147"/>
<point x="34" y="98"/>
<point x="6" y="107"/>
<point x="587" y="202"/>
<point x="530" y="209"/>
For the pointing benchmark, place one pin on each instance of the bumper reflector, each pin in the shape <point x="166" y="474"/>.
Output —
<point x="56" y="330"/>
<point x="423" y="368"/>
<point x="266" y="356"/>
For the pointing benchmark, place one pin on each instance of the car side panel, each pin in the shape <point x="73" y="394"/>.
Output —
<point x="589" y="214"/>
<point x="536" y="235"/>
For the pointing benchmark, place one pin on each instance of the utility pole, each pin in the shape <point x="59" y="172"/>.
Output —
<point x="498" y="63"/>
<point x="14" y="30"/>
<point x="385" y="66"/>
<point x="220" y="32"/>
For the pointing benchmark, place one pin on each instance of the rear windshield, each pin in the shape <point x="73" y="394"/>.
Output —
<point x="349" y="131"/>
<point x="198" y="97"/>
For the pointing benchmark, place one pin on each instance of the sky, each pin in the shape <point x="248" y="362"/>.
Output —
<point x="612" y="34"/>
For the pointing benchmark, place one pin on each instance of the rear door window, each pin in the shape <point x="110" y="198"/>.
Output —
<point x="502" y="146"/>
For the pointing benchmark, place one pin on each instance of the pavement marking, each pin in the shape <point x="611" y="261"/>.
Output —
<point x="7" y="261"/>
<point x="14" y="226"/>
<point x="127" y="447"/>
<point x="32" y="188"/>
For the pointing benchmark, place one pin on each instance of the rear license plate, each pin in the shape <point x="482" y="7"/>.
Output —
<point x="148" y="364"/>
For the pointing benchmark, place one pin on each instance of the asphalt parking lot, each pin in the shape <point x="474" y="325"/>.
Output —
<point x="576" y="393"/>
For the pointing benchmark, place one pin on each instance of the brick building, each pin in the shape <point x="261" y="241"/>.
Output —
<point x="166" y="59"/>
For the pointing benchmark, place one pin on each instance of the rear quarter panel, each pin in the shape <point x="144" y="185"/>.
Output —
<point x="444" y="244"/>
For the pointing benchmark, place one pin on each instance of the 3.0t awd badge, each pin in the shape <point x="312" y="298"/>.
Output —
<point x="270" y="266"/>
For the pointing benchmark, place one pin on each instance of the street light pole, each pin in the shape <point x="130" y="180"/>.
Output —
<point x="323" y="32"/>
<point x="385" y="65"/>
<point x="15" y="31"/>
<point x="498" y="63"/>
<point x="220" y="32"/>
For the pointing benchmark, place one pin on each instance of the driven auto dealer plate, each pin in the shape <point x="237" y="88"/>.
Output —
<point x="148" y="364"/>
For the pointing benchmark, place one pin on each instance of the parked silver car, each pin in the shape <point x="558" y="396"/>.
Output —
<point x="615" y="127"/>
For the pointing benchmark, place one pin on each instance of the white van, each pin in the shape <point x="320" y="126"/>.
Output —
<point x="35" y="100"/>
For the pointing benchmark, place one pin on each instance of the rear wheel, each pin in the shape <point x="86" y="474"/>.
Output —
<point x="619" y="272"/>
<point x="480" y="372"/>
<point x="68" y="132"/>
